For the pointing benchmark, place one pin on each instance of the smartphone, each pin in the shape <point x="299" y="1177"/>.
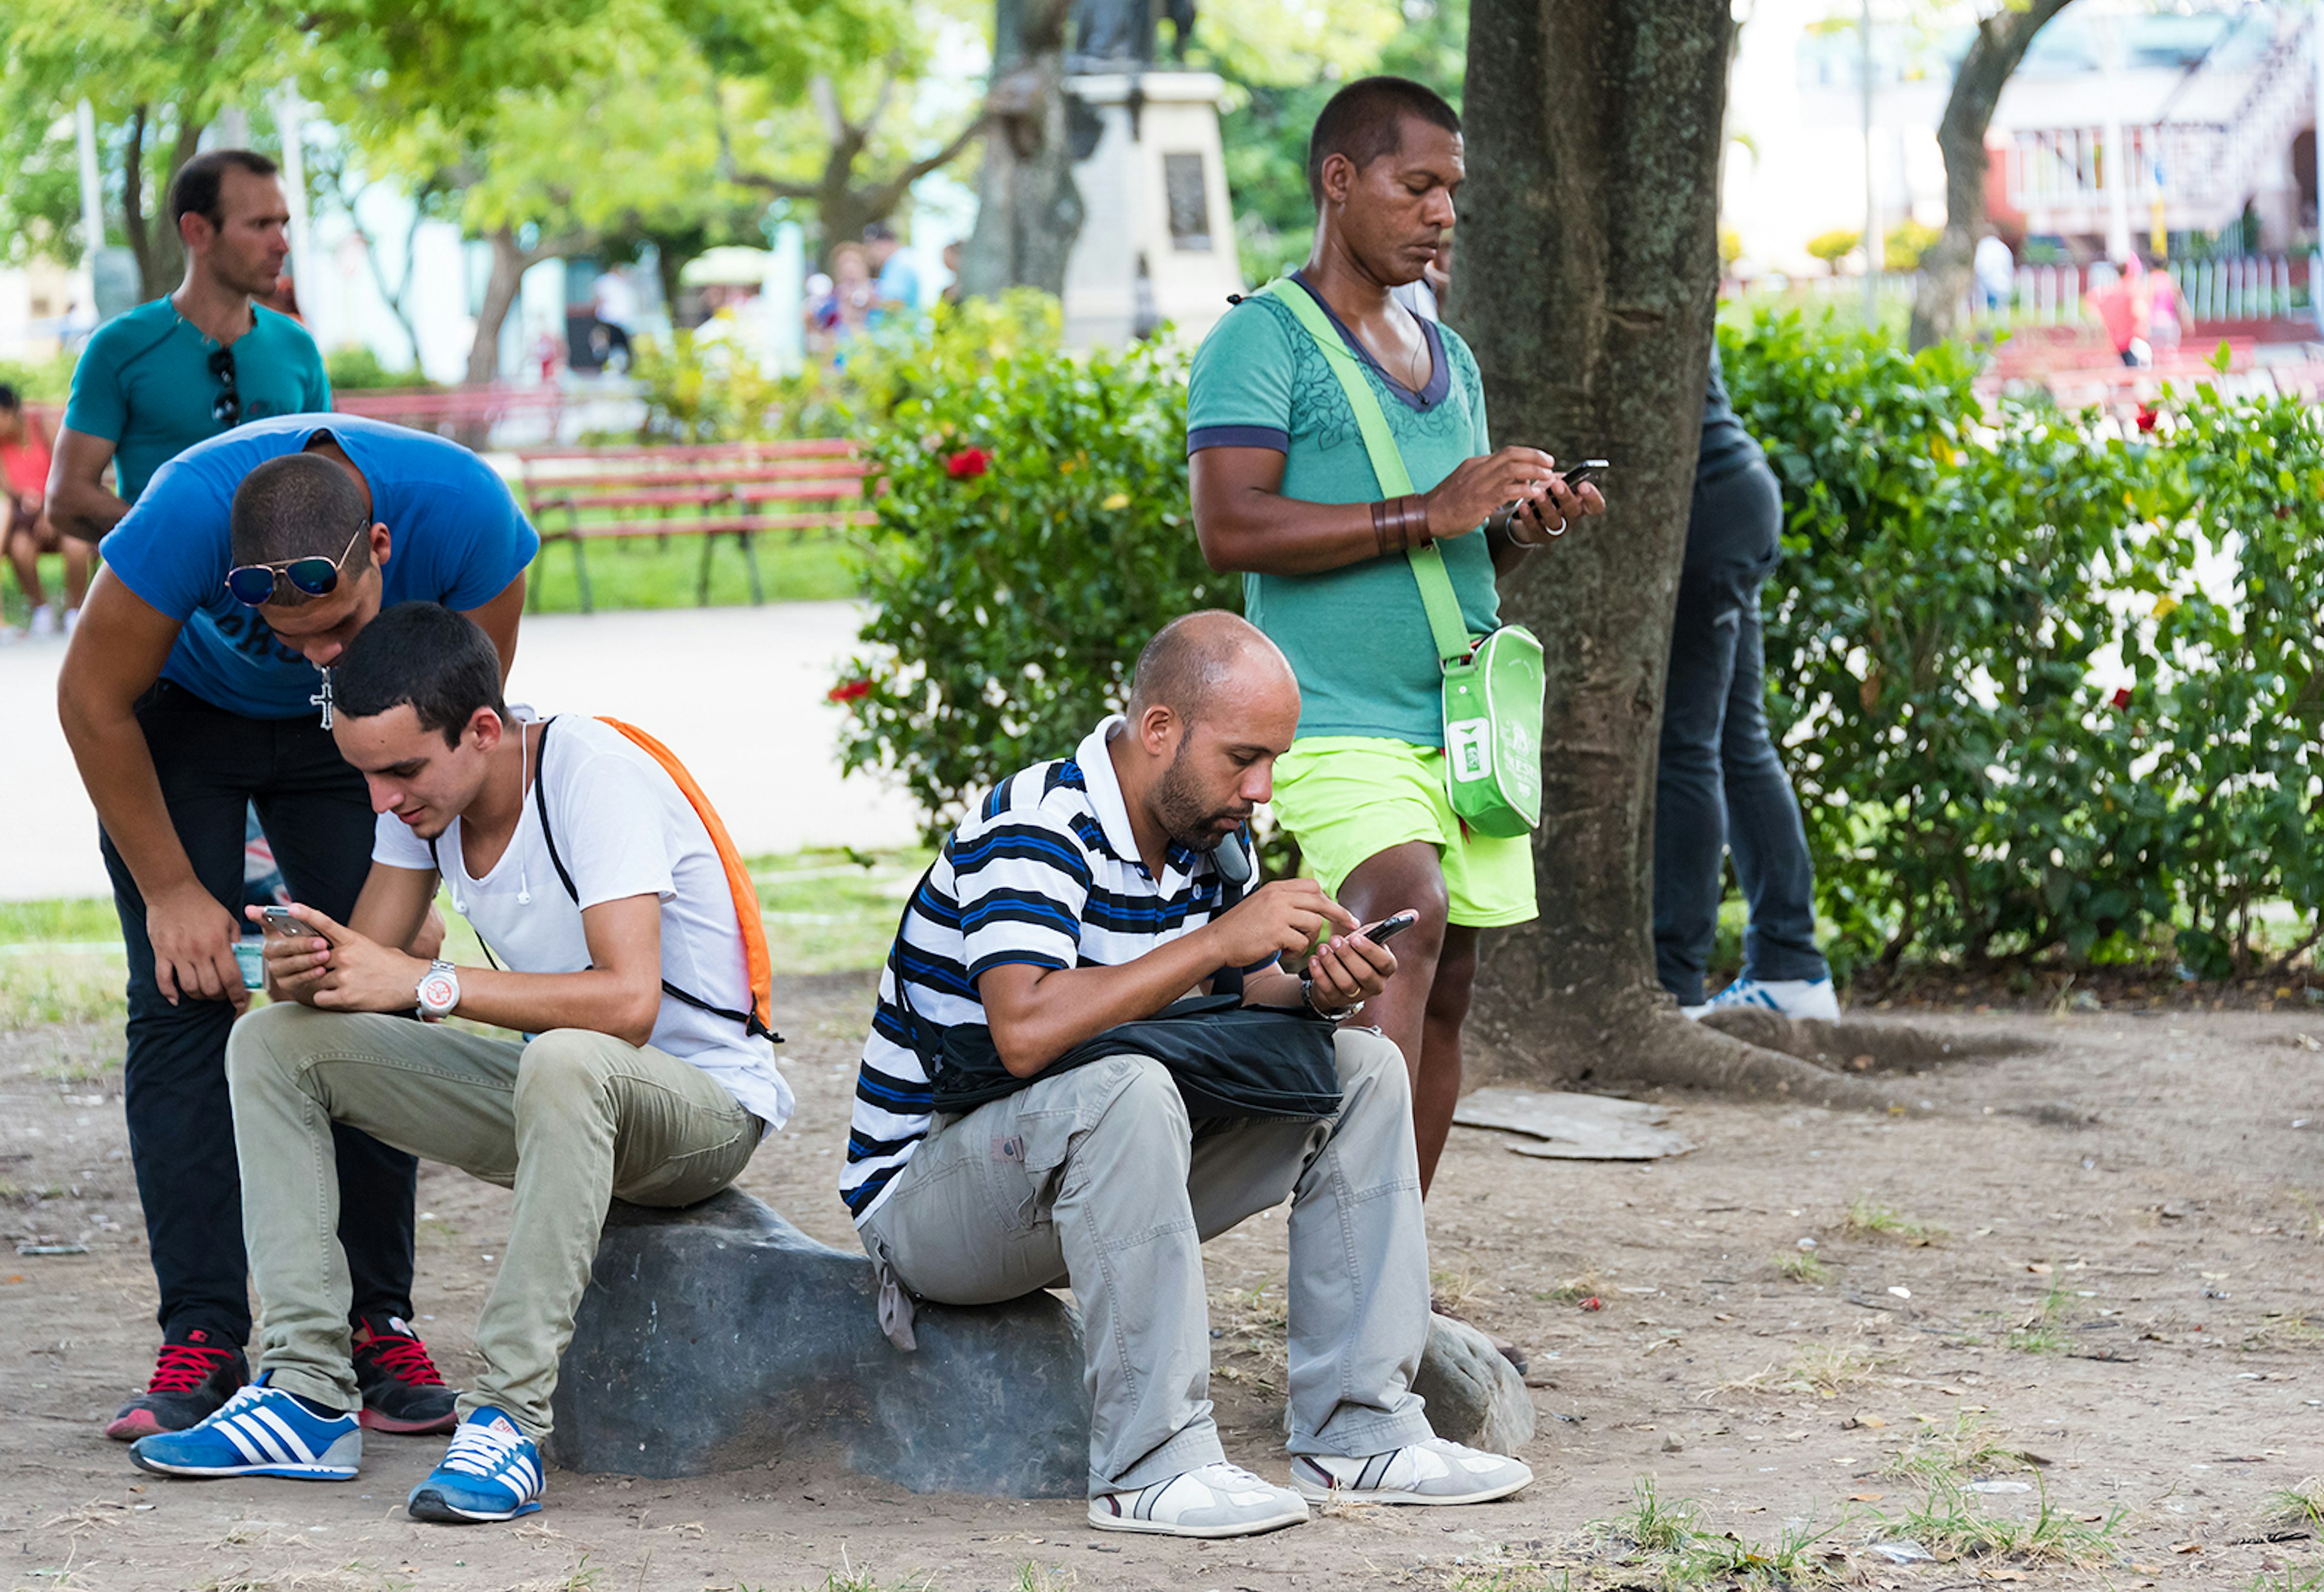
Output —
<point x="1388" y="928"/>
<point x="277" y="921"/>
<point x="1588" y="470"/>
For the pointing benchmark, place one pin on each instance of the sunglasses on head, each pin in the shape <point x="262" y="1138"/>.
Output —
<point x="228" y="409"/>
<point x="254" y="584"/>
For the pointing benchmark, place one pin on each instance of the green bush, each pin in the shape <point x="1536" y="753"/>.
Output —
<point x="702" y="390"/>
<point x="1033" y="533"/>
<point x="46" y="381"/>
<point x="352" y="370"/>
<point x="1963" y="590"/>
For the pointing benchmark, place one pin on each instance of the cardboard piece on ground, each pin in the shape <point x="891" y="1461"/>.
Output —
<point x="1573" y="1127"/>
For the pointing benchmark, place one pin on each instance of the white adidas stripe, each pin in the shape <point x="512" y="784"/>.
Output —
<point x="230" y="1428"/>
<point x="257" y="1432"/>
<point x="282" y="1430"/>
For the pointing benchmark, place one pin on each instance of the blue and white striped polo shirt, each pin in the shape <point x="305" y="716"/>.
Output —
<point x="1047" y="874"/>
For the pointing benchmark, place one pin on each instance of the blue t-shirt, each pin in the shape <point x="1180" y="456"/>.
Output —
<point x="899" y="283"/>
<point x="458" y="540"/>
<point x="143" y="383"/>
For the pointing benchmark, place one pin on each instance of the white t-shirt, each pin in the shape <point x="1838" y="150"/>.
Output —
<point x="623" y="829"/>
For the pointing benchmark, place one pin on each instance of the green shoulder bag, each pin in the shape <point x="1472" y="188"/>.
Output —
<point x="1492" y="684"/>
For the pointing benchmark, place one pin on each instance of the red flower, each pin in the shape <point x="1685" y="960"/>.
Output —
<point x="848" y="690"/>
<point x="2121" y="697"/>
<point x="968" y="462"/>
<point x="2147" y="414"/>
<point x="1593" y="1303"/>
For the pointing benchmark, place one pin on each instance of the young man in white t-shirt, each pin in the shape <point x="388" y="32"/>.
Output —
<point x="589" y="876"/>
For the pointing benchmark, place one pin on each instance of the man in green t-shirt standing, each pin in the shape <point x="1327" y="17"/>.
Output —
<point x="180" y="369"/>
<point x="1285" y="492"/>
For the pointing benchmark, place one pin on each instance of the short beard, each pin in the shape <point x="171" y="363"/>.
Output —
<point x="1178" y="808"/>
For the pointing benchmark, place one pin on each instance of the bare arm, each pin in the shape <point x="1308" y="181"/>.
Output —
<point x="498" y="619"/>
<point x="619" y="994"/>
<point x="1245" y="523"/>
<point x="1038" y="1013"/>
<point x="113" y="659"/>
<point x="79" y="503"/>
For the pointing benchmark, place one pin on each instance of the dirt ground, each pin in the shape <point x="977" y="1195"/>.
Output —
<point x="2120" y="1322"/>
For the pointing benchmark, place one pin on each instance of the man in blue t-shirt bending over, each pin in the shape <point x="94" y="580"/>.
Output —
<point x="192" y="688"/>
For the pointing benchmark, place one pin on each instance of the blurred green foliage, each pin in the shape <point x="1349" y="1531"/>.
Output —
<point x="2047" y="688"/>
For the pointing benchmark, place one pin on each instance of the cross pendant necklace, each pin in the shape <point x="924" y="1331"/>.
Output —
<point x="322" y="698"/>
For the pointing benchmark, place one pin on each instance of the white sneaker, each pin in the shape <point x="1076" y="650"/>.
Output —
<point x="1218" y="1500"/>
<point x="1438" y="1471"/>
<point x="44" y="621"/>
<point x="1790" y="997"/>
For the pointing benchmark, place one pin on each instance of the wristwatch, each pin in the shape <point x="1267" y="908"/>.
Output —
<point x="439" y="991"/>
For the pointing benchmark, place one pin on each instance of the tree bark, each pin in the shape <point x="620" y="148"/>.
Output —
<point x="1945" y="269"/>
<point x="1029" y="212"/>
<point x="511" y="261"/>
<point x="1588" y="265"/>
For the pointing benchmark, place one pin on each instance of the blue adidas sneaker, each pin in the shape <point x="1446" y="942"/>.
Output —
<point x="260" y="1431"/>
<point x="492" y="1471"/>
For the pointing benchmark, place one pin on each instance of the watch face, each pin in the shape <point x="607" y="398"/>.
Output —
<point x="439" y="992"/>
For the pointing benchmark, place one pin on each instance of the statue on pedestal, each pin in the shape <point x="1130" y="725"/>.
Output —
<point x="1114" y="35"/>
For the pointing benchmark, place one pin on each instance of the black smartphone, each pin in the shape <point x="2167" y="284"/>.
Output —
<point x="1588" y="470"/>
<point x="1388" y="928"/>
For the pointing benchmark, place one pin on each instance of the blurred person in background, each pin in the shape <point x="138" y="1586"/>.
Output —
<point x="25" y="532"/>
<point x="1719" y="790"/>
<point x="897" y="289"/>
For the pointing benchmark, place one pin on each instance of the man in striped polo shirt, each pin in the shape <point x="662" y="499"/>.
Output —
<point x="1091" y="893"/>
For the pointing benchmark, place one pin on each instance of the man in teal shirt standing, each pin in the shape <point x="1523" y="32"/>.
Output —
<point x="1285" y="492"/>
<point x="174" y="372"/>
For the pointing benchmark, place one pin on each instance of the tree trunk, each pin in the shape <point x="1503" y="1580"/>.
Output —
<point x="1589" y="265"/>
<point x="510" y="263"/>
<point x="1945" y="269"/>
<point x="1028" y="212"/>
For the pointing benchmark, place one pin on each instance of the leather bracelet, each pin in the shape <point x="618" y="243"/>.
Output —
<point x="1379" y="527"/>
<point x="1414" y="519"/>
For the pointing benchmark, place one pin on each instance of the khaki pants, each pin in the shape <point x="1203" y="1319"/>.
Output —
<point x="567" y="1121"/>
<point x="1094" y="1177"/>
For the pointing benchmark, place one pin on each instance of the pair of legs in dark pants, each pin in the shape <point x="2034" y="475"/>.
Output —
<point x="1718" y="787"/>
<point x="211" y="764"/>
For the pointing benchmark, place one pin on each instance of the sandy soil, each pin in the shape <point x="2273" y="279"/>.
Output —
<point x="2128" y="1288"/>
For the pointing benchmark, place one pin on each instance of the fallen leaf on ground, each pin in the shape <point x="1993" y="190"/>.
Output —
<point x="1866" y="1497"/>
<point x="2186" y="1547"/>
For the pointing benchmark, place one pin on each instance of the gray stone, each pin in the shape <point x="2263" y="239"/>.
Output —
<point x="1573" y="1127"/>
<point x="720" y="1337"/>
<point x="1474" y="1395"/>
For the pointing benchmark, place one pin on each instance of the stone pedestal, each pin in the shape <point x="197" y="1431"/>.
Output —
<point x="1158" y="240"/>
<point x="721" y="1336"/>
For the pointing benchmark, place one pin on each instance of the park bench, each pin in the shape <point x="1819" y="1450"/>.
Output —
<point x="463" y="413"/>
<point x="739" y="489"/>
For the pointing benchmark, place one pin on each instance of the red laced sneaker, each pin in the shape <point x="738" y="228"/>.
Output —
<point x="402" y="1391"/>
<point x="194" y="1375"/>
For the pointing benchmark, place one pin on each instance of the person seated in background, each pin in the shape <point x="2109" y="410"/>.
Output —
<point x="597" y="882"/>
<point x="25" y="530"/>
<point x="1089" y="893"/>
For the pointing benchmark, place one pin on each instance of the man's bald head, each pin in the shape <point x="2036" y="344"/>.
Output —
<point x="1195" y="661"/>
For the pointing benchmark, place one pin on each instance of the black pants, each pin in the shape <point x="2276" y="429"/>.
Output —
<point x="211" y="763"/>
<point x="1718" y="787"/>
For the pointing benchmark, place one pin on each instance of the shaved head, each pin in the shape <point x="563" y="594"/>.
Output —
<point x="1193" y="661"/>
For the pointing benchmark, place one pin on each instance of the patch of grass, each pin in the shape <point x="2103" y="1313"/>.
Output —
<point x="1034" y="1577"/>
<point x="1825" y="1371"/>
<point x="1949" y="1525"/>
<point x="1868" y="1218"/>
<point x="1802" y="1265"/>
<point x="1584" y="1285"/>
<point x="2298" y="1505"/>
<point x="1455" y="1289"/>
<point x="73" y="919"/>
<point x="848" y="1578"/>
<point x="2291" y="1579"/>
<point x="68" y="984"/>
<point x="1967" y="1447"/>
<point x="833" y="912"/>
<point x="1521" y="1579"/>
<point x="1797" y="1558"/>
<point x="643" y="572"/>
<point x="2041" y="1332"/>
<point x="1652" y="1525"/>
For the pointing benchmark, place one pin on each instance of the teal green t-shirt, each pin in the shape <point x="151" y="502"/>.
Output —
<point x="1357" y="636"/>
<point x="143" y="383"/>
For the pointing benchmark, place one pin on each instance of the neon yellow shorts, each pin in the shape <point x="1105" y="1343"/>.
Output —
<point x="1349" y="798"/>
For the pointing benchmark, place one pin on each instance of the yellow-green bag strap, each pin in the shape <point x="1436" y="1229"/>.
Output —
<point x="1437" y="595"/>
